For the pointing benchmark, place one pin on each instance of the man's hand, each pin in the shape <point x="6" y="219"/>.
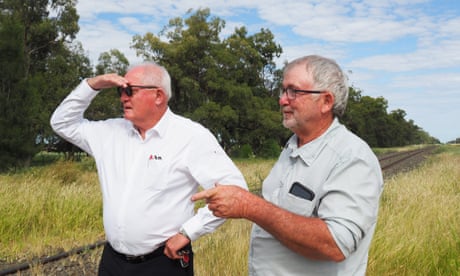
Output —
<point x="226" y="201"/>
<point x="174" y="244"/>
<point x="107" y="81"/>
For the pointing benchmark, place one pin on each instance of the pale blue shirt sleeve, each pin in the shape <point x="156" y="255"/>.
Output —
<point x="351" y="204"/>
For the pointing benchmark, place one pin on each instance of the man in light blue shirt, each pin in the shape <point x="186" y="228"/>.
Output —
<point x="320" y="200"/>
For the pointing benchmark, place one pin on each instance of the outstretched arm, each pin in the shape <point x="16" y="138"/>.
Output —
<point x="309" y="237"/>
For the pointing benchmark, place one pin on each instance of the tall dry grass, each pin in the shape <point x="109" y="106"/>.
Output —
<point x="58" y="207"/>
<point x="225" y="252"/>
<point x="46" y="209"/>
<point x="418" y="231"/>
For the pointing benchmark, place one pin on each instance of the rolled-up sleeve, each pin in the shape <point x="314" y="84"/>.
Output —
<point x="351" y="203"/>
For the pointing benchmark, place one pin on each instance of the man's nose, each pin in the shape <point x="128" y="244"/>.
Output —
<point x="283" y="100"/>
<point x="123" y="96"/>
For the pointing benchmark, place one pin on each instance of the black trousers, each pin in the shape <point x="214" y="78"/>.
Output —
<point x="112" y="264"/>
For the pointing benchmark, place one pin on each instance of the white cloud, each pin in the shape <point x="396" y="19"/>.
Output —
<point x="443" y="55"/>
<point x="436" y="84"/>
<point x="102" y="36"/>
<point x="407" y="51"/>
<point x="293" y="52"/>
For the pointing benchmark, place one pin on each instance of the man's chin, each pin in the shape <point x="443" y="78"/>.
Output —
<point x="127" y="115"/>
<point x="289" y="124"/>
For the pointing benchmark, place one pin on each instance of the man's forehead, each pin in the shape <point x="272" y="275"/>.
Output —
<point x="297" y="74"/>
<point x="134" y="74"/>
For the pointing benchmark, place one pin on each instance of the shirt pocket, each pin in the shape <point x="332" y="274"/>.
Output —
<point x="156" y="174"/>
<point x="298" y="203"/>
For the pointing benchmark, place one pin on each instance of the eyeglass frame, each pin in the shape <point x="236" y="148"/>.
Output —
<point x="129" y="89"/>
<point x="293" y="92"/>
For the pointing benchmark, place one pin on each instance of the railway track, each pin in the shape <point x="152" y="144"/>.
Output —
<point x="49" y="259"/>
<point x="397" y="162"/>
<point x="391" y="164"/>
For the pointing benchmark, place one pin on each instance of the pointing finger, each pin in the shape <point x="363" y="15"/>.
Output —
<point x="202" y="195"/>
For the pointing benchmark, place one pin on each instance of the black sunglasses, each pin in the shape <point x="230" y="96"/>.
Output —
<point x="129" y="89"/>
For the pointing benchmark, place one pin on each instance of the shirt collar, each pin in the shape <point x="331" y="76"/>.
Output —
<point x="310" y="151"/>
<point x="159" y="129"/>
<point x="162" y="125"/>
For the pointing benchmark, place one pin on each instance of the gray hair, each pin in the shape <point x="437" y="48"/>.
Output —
<point x="151" y="76"/>
<point x="327" y="76"/>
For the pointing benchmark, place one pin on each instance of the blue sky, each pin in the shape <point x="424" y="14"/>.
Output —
<point x="407" y="51"/>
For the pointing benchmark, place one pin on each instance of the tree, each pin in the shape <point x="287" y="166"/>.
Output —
<point x="66" y="69"/>
<point x="225" y="85"/>
<point x="107" y="104"/>
<point x="368" y="118"/>
<point x="33" y="46"/>
<point x="113" y="61"/>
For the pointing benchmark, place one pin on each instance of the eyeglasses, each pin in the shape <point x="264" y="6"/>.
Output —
<point x="129" y="89"/>
<point x="291" y="92"/>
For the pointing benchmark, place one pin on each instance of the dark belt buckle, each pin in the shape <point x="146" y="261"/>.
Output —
<point x="135" y="259"/>
<point x="185" y="260"/>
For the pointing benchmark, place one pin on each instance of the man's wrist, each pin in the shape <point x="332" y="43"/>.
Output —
<point x="184" y="233"/>
<point x="91" y="84"/>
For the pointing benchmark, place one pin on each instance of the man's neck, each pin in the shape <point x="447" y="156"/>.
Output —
<point x="304" y="138"/>
<point x="145" y="126"/>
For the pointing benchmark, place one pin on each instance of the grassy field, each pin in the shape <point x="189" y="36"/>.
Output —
<point x="49" y="208"/>
<point x="418" y="231"/>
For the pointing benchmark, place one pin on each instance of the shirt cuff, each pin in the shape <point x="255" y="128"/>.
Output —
<point x="204" y="222"/>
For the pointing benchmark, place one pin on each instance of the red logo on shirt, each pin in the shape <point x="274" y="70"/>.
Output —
<point x="155" y="157"/>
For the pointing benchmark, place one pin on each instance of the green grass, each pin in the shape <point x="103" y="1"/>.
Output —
<point x="57" y="206"/>
<point x="380" y="151"/>
<point x="418" y="232"/>
<point x="47" y="208"/>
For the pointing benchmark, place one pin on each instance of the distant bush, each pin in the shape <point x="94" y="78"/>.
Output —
<point x="245" y="151"/>
<point x="270" y="149"/>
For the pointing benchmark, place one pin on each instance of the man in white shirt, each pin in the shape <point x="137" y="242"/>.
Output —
<point x="149" y="164"/>
<point x="320" y="200"/>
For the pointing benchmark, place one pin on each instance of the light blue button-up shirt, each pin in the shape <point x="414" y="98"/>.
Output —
<point x="344" y="178"/>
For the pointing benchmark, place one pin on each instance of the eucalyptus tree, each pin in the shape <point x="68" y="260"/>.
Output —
<point x="37" y="65"/>
<point x="368" y="118"/>
<point x="107" y="104"/>
<point x="226" y="83"/>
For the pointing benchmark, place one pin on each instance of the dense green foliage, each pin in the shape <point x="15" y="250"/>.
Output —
<point x="368" y="117"/>
<point x="229" y="85"/>
<point x="38" y="66"/>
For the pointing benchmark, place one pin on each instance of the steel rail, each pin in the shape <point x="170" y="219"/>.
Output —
<point x="44" y="260"/>
<point x="396" y="154"/>
<point x="404" y="156"/>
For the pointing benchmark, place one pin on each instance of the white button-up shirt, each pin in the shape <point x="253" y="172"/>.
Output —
<point x="147" y="184"/>
<point x="344" y="181"/>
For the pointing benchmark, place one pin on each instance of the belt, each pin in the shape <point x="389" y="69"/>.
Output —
<point x="139" y="258"/>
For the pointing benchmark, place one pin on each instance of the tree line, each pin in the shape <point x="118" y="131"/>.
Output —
<point x="229" y="85"/>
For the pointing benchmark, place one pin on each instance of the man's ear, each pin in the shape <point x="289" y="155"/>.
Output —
<point x="328" y="100"/>
<point x="160" y="97"/>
